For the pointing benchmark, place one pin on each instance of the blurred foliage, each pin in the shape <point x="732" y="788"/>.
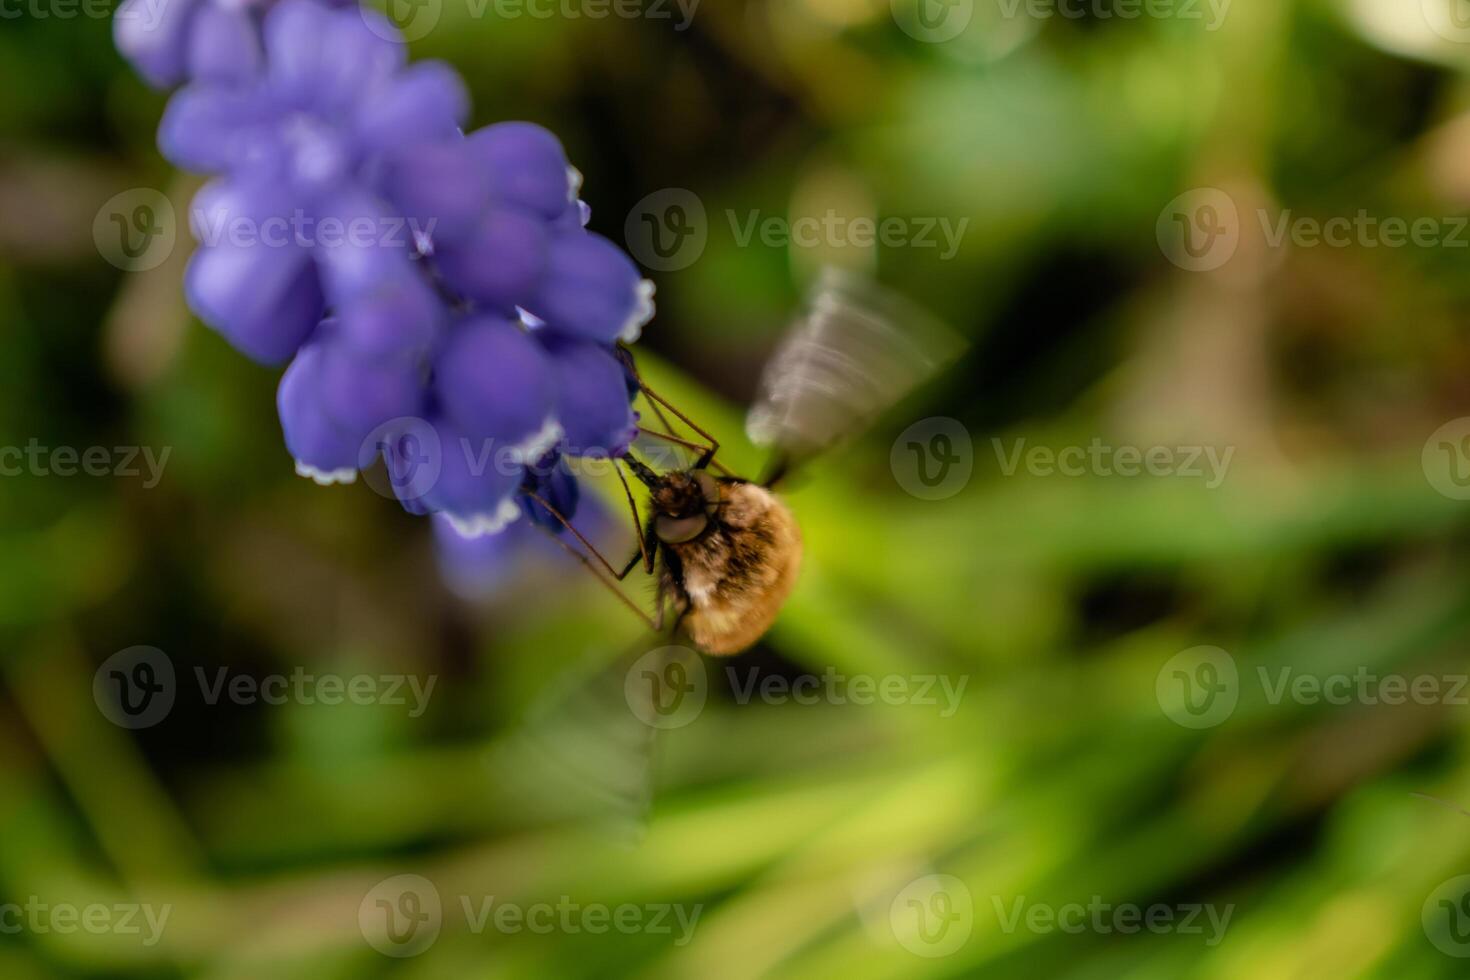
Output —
<point x="1059" y="778"/>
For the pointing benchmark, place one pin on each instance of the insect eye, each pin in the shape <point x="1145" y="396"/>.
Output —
<point x="678" y="530"/>
<point x="709" y="487"/>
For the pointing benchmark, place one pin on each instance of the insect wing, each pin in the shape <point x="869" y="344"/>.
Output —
<point x="857" y="350"/>
<point x="589" y="743"/>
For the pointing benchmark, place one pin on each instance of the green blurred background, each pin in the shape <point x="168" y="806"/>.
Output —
<point x="1058" y="601"/>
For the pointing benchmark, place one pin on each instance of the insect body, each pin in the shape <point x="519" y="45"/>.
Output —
<point x="729" y="552"/>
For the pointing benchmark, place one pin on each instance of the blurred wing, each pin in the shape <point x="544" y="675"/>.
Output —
<point x="586" y="751"/>
<point x="857" y="350"/>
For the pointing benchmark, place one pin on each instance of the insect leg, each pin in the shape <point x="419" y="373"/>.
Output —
<point x="654" y="624"/>
<point x="654" y="398"/>
<point x="670" y="437"/>
<point x="611" y="585"/>
<point x="643" y="550"/>
<point x="647" y="545"/>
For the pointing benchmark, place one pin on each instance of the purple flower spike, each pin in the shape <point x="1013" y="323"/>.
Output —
<point x="527" y="168"/>
<point x="437" y="295"/>
<point x="443" y="189"/>
<point x="224" y="45"/>
<point x="426" y="102"/>
<point x="332" y="401"/>
<point x="211" y="129"/>
<point x="592" y="290"/>
<point x="329" y="61"/>
<point x="477" y="567"/>
<point x="154" y="36"/>
<point x="333" y="96"/>
<point x="553" y="482"/>
<point x="501" y="263"/>
<point x="592" y="397"/>
<point x="374" y="282"/>
<point x="474" y="487"/>
<point x="398" y="316"/>
<point x="494" y="383"/>
<point x="170" y="42"/>
<point x="260" y="292"/>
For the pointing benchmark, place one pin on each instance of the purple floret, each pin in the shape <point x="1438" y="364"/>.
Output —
<point x="436" y="295"/>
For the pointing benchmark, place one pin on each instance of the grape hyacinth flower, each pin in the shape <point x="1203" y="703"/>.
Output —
<point x="170" y="42"/>
<point x="436" y="295"/>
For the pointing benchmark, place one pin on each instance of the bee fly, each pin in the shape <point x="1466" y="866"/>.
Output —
<point x="728" y="554"/>
<point x="726" y="551"/>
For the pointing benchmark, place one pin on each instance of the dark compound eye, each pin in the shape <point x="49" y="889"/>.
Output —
<point x="678" y="530"/>
<point x="708" y="486"/>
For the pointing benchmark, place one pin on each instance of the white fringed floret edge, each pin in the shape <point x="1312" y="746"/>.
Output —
<point x="326" y="478"/>
<point x="643" y="311"/>
<point x="538" y="443"/>
<point x="481" y="525"/>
